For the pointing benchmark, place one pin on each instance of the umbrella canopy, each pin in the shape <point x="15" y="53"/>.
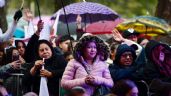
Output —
<point x="148" y="25"/>
<point x="102" y="27"/>
<point x="45" y="19"/>
<point x="89" y="11"/>
<point x="62" y="28"/>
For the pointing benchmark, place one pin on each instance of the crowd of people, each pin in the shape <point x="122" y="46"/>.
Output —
<point x="126" y="65"/>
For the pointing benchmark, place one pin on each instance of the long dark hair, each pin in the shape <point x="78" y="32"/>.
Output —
<point x="8" y="55"/>
<point x="17" y="41"/>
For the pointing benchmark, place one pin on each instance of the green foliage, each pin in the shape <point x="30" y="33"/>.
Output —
<point x="130" y="8"/>
<point x="126" y="8"/>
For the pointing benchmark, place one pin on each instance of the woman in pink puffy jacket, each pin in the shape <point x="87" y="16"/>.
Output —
<point x="90" y="54"/>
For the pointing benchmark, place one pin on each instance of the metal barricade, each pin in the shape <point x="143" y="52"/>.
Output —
<point x="14" y="84"/>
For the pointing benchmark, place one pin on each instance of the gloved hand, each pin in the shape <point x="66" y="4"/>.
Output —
<point x="18" y="15"/>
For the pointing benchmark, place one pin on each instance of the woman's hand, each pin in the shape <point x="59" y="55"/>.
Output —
<point x="45" y="73"/>
<point x="18" y="14"/>
<point x="39" y="27"/>
<point x="117" y="36"/>
<point x="38" y="64"/>
<point x="78" y="21"/>
<point x="22" y="61"/>
<point x="28" y="15"/>
<point x="16" y="64"/>
<point x="90" y="80"/>
<point x="53" y="41"/>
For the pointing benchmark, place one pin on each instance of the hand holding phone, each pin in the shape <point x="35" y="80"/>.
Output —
<point x="16" y="64"/>
<point x="15" y="57"/>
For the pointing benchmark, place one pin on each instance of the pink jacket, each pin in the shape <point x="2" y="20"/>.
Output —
<point x="75" y="74"/>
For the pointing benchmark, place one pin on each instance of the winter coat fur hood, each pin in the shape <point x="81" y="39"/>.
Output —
<point x="102" y="48"/>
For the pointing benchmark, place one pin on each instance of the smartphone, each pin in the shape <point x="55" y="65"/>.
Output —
<point x="15" y="57"/>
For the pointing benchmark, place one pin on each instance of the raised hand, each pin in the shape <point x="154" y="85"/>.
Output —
<point x="53" y="40"/>
<point x="78" y="21"/>
<point x="28" y="15"/>
<point x="117" y="36"/>
<point x="17" y="15"/>
<point x="39" y="27"/>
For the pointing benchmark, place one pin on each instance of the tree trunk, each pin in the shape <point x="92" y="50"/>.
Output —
<point x="3" y="21"/>
<point x="163" y="10"/>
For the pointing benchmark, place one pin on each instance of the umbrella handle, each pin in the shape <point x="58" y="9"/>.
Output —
<point x="22" y="5"/>
<point x="38" y="9"/>
<point x="67" y="23"/>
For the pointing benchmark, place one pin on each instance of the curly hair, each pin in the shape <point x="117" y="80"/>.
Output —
<point x="102" y="48"/>
<point x="104" y="51"/>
